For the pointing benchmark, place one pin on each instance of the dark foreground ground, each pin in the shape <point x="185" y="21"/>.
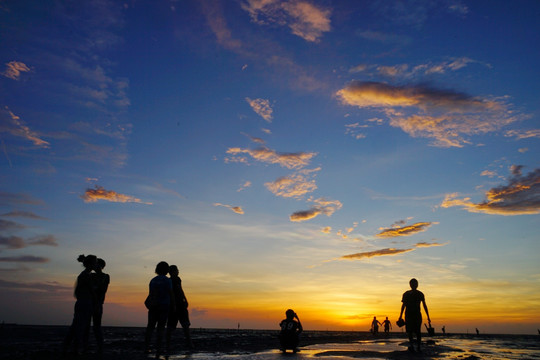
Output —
<point x="45" y="342"/>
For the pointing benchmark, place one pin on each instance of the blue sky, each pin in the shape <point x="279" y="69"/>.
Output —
<point x="305" y="154"/>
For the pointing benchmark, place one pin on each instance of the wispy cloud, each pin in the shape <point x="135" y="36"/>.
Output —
<point x="295" y="185"/>
<point x="302" y="17"/>
<point x="10" y="225"/>
<point x="24" y="214"/>
<point x="49" y="286"/>
<point x="100" y="193"/>
<point x="326" y="229"/>
<point x="443" y="115"/>
<point x="321" y="206"/>
<point x="426" y="244"/>
<point x="523" y="134"/>
<point x="9" y="199"/>
<point x="287" y="160"/>
<point x="14" y="69"/>
<point x="369" y="254"/>
<point x="244" y="186"/>
<point x="262" y="107"/>
<point x="236" y="209"/>
<point x="13" y="125"/>
<point x="12" y="242"/>
<point x="405" y="230"/>
<point x="17" y="242"/>
<point x="521" y="196"/>
<point x="24" y="259"/>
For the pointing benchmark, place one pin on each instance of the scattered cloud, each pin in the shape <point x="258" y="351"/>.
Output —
<point x="326" y="229"/>
<point x="303" y="18"/>
<point x="521" y="196"/>
<point x="14" y="69"/>
<point x="523" y="134"/>
<point x="24" y="259"/>
<point x="236" y="209"/>
<point x="262" y="107"/>
<point x="369" y="254"/>
<point x="100" y="193"/>
<point x="295" y="185"/>
<point x="321" y="206"/>
<point x="45" y="240"/>
<point x="25" y="214"/>
<point x="244" y="186"/>
<point x="355" y="131"/>
<point x="9" y="199"/>
<point x="488" y="173"/>
<point x="287" y="160"/>
<point x="13" y="125"/>
<point x="215" y="17"/>
<point x="426" y="244"/>
<point x="405" y="230"/>
<point x="443" y="115"/>
<point x="255" y="139"/>
<point x="49" y="286"/>
<point x="17" y="242"/>
<point x="6" y="225"/>
<point x="385" y="38"/>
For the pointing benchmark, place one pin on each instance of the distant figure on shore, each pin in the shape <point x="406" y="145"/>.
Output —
<point x="375" y="326"/>
<point x="413" y="316"/>
<point x="181" y="314"/>
<point x="86" y="297"/>
<point x="289" y="336"/>
<point x="443" y="330"/>
<point x="100" y="283"/>
<point x="387" y="326"/>
<point x="477" y="331"/>
<point x="159" y="301"/>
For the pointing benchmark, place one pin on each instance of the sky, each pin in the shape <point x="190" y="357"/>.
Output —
<point x="304" y="154"/>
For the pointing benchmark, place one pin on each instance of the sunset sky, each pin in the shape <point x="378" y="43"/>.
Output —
<point x="308" y="154"/>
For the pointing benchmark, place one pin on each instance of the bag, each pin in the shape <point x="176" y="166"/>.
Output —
<point x="400" y="322"/>
<point x="150" y="301"/>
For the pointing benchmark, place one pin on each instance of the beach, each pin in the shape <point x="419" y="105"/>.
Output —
<point x="45" y="342"/>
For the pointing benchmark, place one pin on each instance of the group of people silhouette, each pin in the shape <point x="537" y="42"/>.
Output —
<point x="167" y="306"/>
<point x="90" y="289"/>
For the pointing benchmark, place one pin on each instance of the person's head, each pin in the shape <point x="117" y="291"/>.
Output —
<point x="387" y="318"/>
<point x="162" y="268"/>
<point x="413" y="283"/>
<point x="100" y="264"/>
<point x="88" y="261"/>
<point x="173" y="270"/>
<point x="290" y="314"/>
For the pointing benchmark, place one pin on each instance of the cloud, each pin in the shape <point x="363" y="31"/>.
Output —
<point x="404" y="230"/>
<point x="521" y="196"/>
<point x="287" y="160"/>
<point x="45" y="240"/>
<point x="14" y="69"/>
<point x="25" y="214"/>
<point x="523" y="134"/>
<point x="49" y="286"/>
<point x="303" y="18"/>
<point x="17" y="242"/>
<point x="326" y="229"/>
<point x="244" y="186"/>
<point x="369" y="254"/>
<point x="236" y="209"/>
<point x="255" y="139"/>
<point x="261" y="107"/>
<point x="24" y="259"/>
<point x="293" y="186"/>
<point x="8" y="199"/>
<point x="425" y="244"/>
<point x="10" y="225"/>
<point x="443" y="115"/>
<point x="385" y="38"/>
<point x="215" y="17"/>
<point x="322" y="206"/>
<point x="13" y="125"/>
<point x="12" y="242"/>
<point x="99" y="193"/>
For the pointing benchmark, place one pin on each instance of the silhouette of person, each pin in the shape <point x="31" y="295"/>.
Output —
<point x="84" y="293"/>
<point x="375" y="326"/>
<point x="181" y="314"/>
<point x="387" y="326"/>
<point x="477" y="331"/>
<point x="289" y="336"/>
<point x="100" y="283"/>
<point x="413" y="316"/>
<point x="160" y="300"/>
<point x="444" y="330"/>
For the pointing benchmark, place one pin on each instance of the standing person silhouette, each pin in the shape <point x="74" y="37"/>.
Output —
<point x="181" y="314"/>
<point x="289" y="336"/>
<point x="159" y="301"/>
<point x="375" y="326"/>
<point x="387" y="326"/>
<point x="413" y="316"/>
<point x="84" y="293"/>
<point x="100" y="282"/>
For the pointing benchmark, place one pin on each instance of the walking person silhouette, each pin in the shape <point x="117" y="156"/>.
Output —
<point x="413" y="316"/>
<point x="181" y="314"/>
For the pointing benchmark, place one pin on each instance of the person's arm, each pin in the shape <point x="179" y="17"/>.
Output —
<point x="105" y="287"/>
<point x="300" y="328"/>
<point x="426" y="310"/>
<point x="401" y="312"/>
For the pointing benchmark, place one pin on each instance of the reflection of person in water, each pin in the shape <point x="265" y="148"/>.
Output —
<point x="413" y="316"/>
<point x="84" y="293"/>
<point x="100" y="282"/>
<point x="387" y="326"/>
<point x="375" y="326"/>
<point x="181" y="314"/>
<point x="289" y="336"/>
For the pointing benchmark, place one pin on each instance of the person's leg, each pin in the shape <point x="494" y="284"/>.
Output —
<point x="98" y="332"/>
<point x="419" y="339"/>
<point x="152" y="320"/>
<point x="171" y="326"/>
<point x="163" y="314"/>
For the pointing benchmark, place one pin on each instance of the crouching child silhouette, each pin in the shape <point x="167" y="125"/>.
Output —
<point x="289" y="336"/>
